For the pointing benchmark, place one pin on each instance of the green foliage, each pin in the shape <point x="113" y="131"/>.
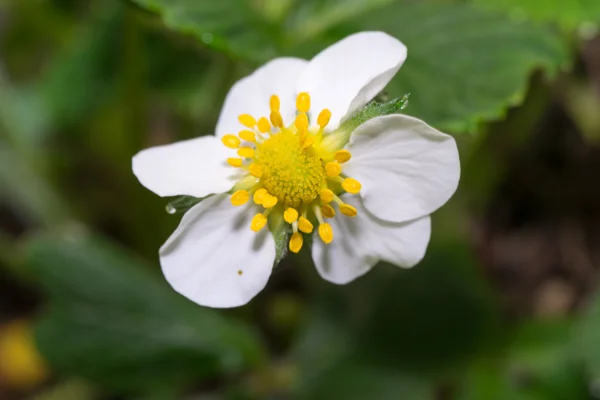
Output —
<point x="110" y="321"/>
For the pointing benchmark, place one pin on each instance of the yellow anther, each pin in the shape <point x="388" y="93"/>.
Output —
<point x="351" y="185"/>
<point x="303" y="102"/>
<point x="326" y="232"/>
<point x="296" y="242"/>
<point x="290" y="215"/>
<point x="248" y="136"/>
<point x="246" y="152"/>
<point x="231" y="141"/>
<point x="342" y="156"/>
<point x="240" y="197"/>
<point x="255" y="170"/>
<point x="235" y="162"/>
<point x="301" y="122"/>
<point x="247" y="120"/>
<point x="333" y="169"/>
<point x="305" y="225"/>
<point x="328" y="211"/>
<point x="274" y="103"/>
<point x="258" y="222"/>
<point x="348" y="210"/>
<point x="308" y="141"/>
<point x="269" y="201"/>
<point x="326" y="195"/>
<point x="260" y="195"/>
<point x="323" y="118"/>
<point x="276" y="119"/>
<point x="263" y="125"/>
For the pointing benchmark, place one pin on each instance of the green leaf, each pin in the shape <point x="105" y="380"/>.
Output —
<point x="567" y="13"/>
<point x="234" y="26"/>
<point x="464" y="65"/>
<point x="111" y="322"/>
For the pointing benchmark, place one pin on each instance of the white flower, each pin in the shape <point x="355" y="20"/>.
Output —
<point x="385" y="180"/>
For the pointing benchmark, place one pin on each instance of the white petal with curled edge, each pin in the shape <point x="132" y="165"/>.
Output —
<point x="195" y="167"/>
<point x="251" y="94"/>
<point x="214" y="259"/>
<point x="360" y="242"/>
<point x="407" y="168"/>
<point x="348" y="74"/>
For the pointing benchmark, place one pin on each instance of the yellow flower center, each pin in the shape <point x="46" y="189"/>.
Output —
<point x="290" y="172"/>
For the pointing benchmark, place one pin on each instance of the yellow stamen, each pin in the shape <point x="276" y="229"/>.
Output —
<point x="274" y="103"/>
<point x="296" y="242"/>
<point x="276" y="119"/>
<point x="247" y="120"/>
<point x="269" y="201"/>
<point x="248" y="136"/>
<point x="260" y="195"/>
<point x="326" y="233"/>
<point x="348" y="210"/>
<point x="326" y="195"/>
<point x="303" y="102"/>
<point x="255" y="170"/>
<point x="305" y="225"/>
<point x="323" y="118"/>
<point x="332" y="169"/>
<point x="258" y="222"/>
<point x="240" y="197"/>
<point x="308" y="141"/>
<point x="301" y="122"/>
<point x="290" y="215"/>
<point x="351" y="185"/>
<point x="246" y="152"/>
<point x="328" y="211"/>
<point x="342" y="156"/>
<point x="235" y="162"/>
<point x="263" y="125"/>
<point x="231" y="141"/>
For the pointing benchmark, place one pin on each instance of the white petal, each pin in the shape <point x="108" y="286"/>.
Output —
<point x="196" y="167"/>
<point x="214" y="259"/>
<point x="348" y="74"/>
<point x="407" y="168"/>
<point x="360" y="242"/>
<point x="251" y="94"/>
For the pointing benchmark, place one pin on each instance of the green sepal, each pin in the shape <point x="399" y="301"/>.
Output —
<point x="182" y="204"/>
<point x="281" y="233"/>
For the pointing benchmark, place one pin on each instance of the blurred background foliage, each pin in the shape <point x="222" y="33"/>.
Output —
<point x="502" y="307"/>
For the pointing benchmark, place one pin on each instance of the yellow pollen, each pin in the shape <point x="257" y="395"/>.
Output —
<point x="276" y="119"/>
<point x="351" y="185"/>
<point x="269" y="201"/>
<point x="258" y="222"/>
<point x="240" y="197"/>
<point x="274" y="103"/>
<point x="290" y="215"/>
<point x="248" y="136"/>
<point x="303" y="102"/>
<point x="326" y="195"/>
<point x="231" y="141"/>
<point x="235" y="162"/>
<point x="301" y="122"/>
<point x="293" y="175"/>
<point x="246" y="152"/>
<point x="333" y="169"/>
<point x="323" y="118"/>
<point x="255" y="170"/>
<point x="326" y="233"/>
<point x="348" y="210"/>
<point x="308" y="141"/>
<point x="296" y="242"/>
<point x="305" y="225"/>
<point x="247" y="120"/>
<point x="342" y="156"/>
<point x="263" y="125"/>
<point x="260" y="195"/>
<point x="328" y="211"/>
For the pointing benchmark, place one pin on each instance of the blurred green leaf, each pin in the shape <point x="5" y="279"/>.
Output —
<point x="568" y="13"/>
<point x="111" y="322"/>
